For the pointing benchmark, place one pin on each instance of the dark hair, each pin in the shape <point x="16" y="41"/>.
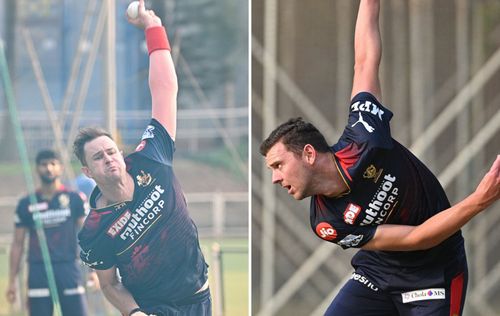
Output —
<point x="295" y="134"/>
<point x="45" y="154"/>
<point x="84" y="136"/>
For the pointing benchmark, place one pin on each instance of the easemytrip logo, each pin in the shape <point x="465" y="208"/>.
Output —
<point x="145" y="215"/>
<point x="326" y="231"/>
<point x="422" y="295"/>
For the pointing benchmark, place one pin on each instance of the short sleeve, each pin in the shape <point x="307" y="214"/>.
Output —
<point x="22" y="217"/>
<point x="156" y="143"/>
<point x="346" y="236"/>
<point x="96" y="248"/>
<point x="368" y="122"/>
<point x="96" y="260"/>
<point x="366" y="134"/>
<point x="77" y="206"/>
<point x="330" y="223"/>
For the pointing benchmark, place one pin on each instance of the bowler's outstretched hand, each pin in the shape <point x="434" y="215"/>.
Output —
<point x="145" y="18"/>
<point x="488" y="190"/>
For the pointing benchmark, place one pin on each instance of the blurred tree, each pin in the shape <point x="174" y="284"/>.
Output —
<point x="209" y="38"/>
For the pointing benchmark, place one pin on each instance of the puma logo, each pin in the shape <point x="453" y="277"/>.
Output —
<point x="366" y="125"/>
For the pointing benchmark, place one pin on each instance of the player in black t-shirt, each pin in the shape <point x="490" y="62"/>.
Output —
<point x="139" y="225"/>
<point x="370" y="192"/>
<point x="61" y="213"/>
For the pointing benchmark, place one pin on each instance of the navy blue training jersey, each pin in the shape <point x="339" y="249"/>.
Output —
<point x="387" y="185"/>
<point x="151" y="239"/>
<point x="58" y="216"/>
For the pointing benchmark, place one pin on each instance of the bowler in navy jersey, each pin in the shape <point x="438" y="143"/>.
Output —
<point x="151" y="239"/>
<point x="139" y="226"/>
<point x="61" y="213"/>
<point x="370" y="192"/>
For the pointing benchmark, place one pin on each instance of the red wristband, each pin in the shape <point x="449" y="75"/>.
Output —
<point x="156" y="38"/>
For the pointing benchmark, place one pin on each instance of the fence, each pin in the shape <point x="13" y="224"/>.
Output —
<point x="219" y="216"/>
<point x="196" y="128"/>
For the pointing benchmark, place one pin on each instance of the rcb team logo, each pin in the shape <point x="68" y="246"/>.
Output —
<point x="144" y="179"/>
<point x="63" y="200"/>
<point x="372" y="173"/>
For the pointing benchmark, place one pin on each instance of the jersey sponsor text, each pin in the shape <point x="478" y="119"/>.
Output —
<point x="363" y="280"/>
<point x="144" y="215"/>
<point x="367" y="106"/>
<point x="383" y="201"/>
<point x="351" y="213"/>
<point x="422" y="295"/>
<point x="117" y="226"/>
<point x="52" y="217"/>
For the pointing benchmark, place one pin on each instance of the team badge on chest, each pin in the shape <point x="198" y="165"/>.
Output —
<point x="63" y="200"/>
<point x="372" y="173"/>
<point x="144" y="179"/>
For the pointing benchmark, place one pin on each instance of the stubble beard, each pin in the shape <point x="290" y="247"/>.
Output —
<point x="47" y="180"/>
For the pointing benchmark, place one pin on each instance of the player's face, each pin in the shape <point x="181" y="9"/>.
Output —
<point x="289" y="170"/>
<point x="104" y="161"/>
<point x="49" y="170"/>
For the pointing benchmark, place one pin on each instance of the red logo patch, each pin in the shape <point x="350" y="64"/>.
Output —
<point x="141" y="146"/>
<point x="326" y="231"/>
<point x="351" y="213"/>
<point x="117" y="226"/>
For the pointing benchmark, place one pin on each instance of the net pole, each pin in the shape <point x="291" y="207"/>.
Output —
<point x="23" y="153"/>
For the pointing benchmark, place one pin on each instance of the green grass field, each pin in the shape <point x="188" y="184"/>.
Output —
<point x="235" y="276"/>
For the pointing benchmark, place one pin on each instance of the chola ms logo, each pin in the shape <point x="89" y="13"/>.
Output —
<point x="351" y="213"/>
<point x="326" y="231"/>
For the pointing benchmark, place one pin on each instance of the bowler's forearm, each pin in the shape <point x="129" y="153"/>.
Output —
<point x="367" y="50"/>
<point x="367" y="42"/>
<point x="119" y="297"/>
<point x="162" y="80"/>
<point x="430" y="233"/>
<point x="439" y="227"/>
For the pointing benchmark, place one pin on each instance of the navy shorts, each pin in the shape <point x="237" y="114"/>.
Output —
<point x="70" y="288"/>
<point x="361" y="297"/>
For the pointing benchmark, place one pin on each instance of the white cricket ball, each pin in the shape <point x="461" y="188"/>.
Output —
<point x="133" y="9"/>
